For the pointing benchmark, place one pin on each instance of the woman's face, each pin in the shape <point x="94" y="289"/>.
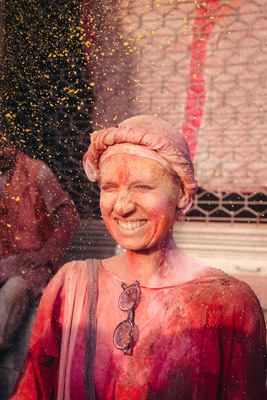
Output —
<point x="139" y="200"/>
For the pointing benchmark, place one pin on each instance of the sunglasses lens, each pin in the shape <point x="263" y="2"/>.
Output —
<point x="123" y="335"/>
<point x="128" y="298"/>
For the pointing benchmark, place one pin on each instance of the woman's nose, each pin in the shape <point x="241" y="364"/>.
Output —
<point x="124" y="203"/>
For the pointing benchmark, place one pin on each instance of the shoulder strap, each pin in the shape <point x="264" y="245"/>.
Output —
<point x="90" y="331"/>
<point x="78" y="279"/>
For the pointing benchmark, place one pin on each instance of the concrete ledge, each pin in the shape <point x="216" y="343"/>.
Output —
<point x="236" y="249"/>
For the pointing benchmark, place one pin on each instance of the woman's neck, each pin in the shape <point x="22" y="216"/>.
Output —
<point x="150" y="266"/>
<point x="160" y="267"/>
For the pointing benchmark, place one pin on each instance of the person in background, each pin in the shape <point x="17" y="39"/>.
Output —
<point x="37" y="221"/>
<point x="152" y="322"/>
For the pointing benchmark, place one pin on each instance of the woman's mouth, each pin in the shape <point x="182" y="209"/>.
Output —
<point x="130" y="225"/>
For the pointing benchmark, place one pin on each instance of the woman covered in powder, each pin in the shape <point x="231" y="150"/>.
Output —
<point x="151" y="323"/>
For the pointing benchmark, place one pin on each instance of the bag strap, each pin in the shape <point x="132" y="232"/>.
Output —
<point x="77" y="280"/>
<point x="90" y="330"/>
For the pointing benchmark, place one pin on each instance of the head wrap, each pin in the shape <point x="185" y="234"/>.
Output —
<point x="141" y="151"/>
<point x="147" y="131"/>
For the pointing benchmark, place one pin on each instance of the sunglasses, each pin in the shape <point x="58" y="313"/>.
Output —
<point x="123" y="333"/>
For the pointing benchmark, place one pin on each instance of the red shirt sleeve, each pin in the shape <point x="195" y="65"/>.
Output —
<point x="245" y="350"/>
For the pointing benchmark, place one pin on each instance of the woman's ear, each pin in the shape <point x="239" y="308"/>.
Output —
<point x="185" y="202"/>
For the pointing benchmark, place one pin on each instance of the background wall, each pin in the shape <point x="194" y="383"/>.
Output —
<point x="73" y="66"/>
<point x="202" y="66"/>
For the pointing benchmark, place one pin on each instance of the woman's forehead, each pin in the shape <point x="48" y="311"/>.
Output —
<point x="131" y="163"/>
<point x="130" y="169"/>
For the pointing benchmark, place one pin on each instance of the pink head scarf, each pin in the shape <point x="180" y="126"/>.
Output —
<point x="153" y="138"/>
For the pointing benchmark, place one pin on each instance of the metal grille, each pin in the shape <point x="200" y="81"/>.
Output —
<point x="229" y="207"/>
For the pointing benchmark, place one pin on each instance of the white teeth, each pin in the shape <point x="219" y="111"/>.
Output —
<point x="131" y="225"/>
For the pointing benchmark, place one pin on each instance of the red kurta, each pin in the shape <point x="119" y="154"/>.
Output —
<point x="203" y="339"/>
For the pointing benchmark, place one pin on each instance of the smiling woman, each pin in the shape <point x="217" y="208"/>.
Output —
<point x="190" y="332"/>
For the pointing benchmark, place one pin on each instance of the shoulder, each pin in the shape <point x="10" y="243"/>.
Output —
<point x="51" y="190"/>
<point x="214" y="283"/>
<point x="70" y="270"/>
<point x="29" y="161"/>
<point x="230" y="300"/>
<point x="68" y="278"/>
<point x="32" y="167"/>
<point x="40" y="168"/>
<point x="45" y="174"/>
<point x="224" y="284"/>
<point x="224" y="287"/>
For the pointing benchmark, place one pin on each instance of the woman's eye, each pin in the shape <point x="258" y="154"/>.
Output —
<point x="107" y="187"/>
<point x="146" y="187"/>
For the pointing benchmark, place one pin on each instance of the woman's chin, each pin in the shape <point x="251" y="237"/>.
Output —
<point x="139" y="246"/>
<point x="132" y="246"/>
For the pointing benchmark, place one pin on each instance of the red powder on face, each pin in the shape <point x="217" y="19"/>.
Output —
<point x="138" y="200"/>
<point x="123" y="172"/>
